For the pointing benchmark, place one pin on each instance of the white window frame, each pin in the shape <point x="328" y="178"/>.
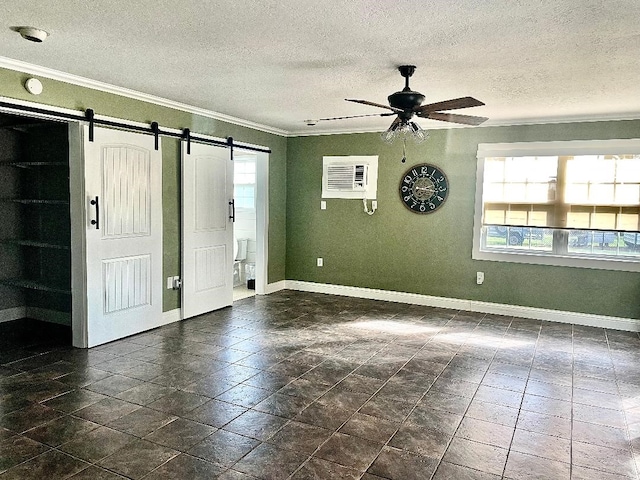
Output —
<point x="559" y="148"/>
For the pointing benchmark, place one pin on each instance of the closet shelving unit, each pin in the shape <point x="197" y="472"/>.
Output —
<point x="35" y="197"/>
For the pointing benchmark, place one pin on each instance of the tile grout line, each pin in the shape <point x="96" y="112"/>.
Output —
<point x="515" y="427"/>
<point x="572" y="415"/>
<point x="468" y="406"/>
<point x="313" y="401"/>
<point x="370" y="397"/>
<point x="624" y="411"/>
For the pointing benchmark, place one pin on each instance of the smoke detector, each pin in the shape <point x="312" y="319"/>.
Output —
<point x="32" y="34"/>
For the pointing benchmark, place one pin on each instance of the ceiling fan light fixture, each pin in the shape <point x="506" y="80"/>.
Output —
<point x="390" y="134"/>
<point x="404" y="130"/>
<point x="417" y="133"/>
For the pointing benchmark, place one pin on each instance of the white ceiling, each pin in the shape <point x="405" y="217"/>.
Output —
<point x="278" y="63"/>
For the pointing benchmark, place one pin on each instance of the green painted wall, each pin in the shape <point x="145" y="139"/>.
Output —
<point x="393" y="249"/>
<point x="79" y="98"/>
<point x="397" y="250"/>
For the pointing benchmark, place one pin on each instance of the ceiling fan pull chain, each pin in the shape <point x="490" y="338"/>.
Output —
<point x="404" y="149"/>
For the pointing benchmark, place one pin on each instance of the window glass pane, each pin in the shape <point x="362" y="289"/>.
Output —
<point x="542" y="169"/>
<point x="538" y="218"/>
<point x="591" y="168"/>
<point x="515" y="217"/>
<point x="603" y="221"/>
<point x="518" y="238"/>
<point x="578" y="219"/>
<point x="520" y="179"/>
<point x="589" y="241"/>
<point x="601" y="194"/>
<point x="494" y="170"/>
<point x="494" y="216"/>
<point x="537" y="192"/>
<point x="244" y="196"/>
<point x="628" y="170"/>
<point x="494" y="192"/>
<point x="516" y="169"/>
<point x="628" y="221"/>
<point x="603" y="180"/>
<point x="627" y="194"/>
<point x="576" y="193"/>
<point x="244" y="172"/>
<point x="604" y="244"/>
<point x="631" y="243"/>
<point x="514" y="192"/>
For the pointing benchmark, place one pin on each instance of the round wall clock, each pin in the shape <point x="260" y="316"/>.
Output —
<point x="424" y="188"/>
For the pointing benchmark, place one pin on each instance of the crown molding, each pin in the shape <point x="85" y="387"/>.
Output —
<point x="489" y="124"/>
<point x="52" y="74"/>
<point x="31" y="69"/>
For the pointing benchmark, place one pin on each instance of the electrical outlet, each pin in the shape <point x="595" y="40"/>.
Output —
<point x="169" y="283"/>
<point x="320" y="261"/>
<point x="323" y="205"/>
<point x="374" y="204"/>
<point x="479" y="278"/>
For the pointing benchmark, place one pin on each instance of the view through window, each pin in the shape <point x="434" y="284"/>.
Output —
<point x="583" y="205"/>
<point x="244" y="183"/>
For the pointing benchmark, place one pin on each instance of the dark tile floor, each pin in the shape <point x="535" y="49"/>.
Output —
<point x="306" y="386"/>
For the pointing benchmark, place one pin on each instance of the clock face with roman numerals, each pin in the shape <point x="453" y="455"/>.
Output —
<point x="424" y="188"/>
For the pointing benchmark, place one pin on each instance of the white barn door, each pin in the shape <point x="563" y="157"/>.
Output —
<point x="123" y="195"/>
<point x="207" y="229"/>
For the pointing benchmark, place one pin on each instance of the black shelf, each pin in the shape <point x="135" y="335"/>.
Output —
<point x="34" y="164"/>
<point x="35" y="201"/>
<point x="35" y="243"/>
<point x="33" y="285"/>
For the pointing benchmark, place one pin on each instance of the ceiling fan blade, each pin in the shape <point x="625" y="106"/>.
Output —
<point x="463" y="102"/>
<point x="454" y="118"/>
<point x="373" y="104"/>
<point x="359" y="116"/>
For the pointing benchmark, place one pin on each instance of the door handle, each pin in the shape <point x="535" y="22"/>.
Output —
<point x="232" y="210"/>
<point x="96" y="222"/>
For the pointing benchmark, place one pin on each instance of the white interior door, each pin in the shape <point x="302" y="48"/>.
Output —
<point x="207" y="229"/>
<point x="123" y="205"/>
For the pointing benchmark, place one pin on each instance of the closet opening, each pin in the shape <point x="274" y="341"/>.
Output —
<point x="35" y="236"/>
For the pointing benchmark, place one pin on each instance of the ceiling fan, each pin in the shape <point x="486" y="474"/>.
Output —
<point x="407" y="103"/>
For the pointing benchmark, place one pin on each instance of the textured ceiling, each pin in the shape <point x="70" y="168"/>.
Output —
<point x="277" y="63"/>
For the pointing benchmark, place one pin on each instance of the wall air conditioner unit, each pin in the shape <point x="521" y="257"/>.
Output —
<point x="350" y="177"/>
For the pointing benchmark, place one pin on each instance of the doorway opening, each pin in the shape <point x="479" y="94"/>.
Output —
<point x="245" y="232"/>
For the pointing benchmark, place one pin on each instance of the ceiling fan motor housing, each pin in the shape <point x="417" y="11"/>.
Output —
<point x="406" y="99"/>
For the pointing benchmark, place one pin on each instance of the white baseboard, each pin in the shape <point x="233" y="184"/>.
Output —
<point x="586" y="319"/>
<point x="275" y="287"/>
<point x="9" y="314"/>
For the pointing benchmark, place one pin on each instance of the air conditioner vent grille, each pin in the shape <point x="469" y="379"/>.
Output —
<point x="346" y="177"/>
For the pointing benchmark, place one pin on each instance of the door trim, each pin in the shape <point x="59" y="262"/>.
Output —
<point x="79" y="309"/>
<point x="262" y="219"/>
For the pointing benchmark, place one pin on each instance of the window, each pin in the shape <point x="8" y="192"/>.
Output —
<point x="571" y="203"/>
<point x="244" y="183"/>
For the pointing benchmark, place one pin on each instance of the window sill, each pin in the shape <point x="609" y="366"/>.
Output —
<point x="544" y="258"/>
